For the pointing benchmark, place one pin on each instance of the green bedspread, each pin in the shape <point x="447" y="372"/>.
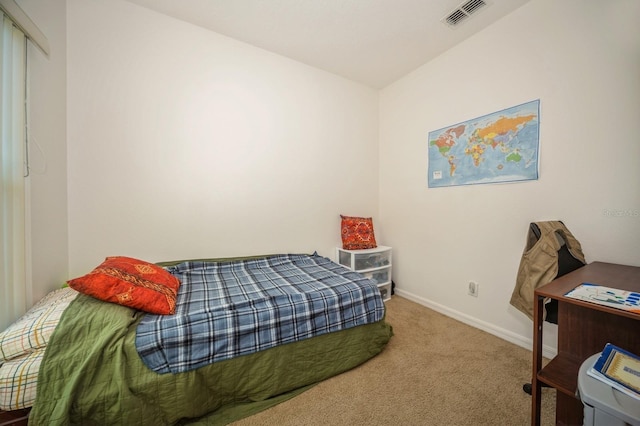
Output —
<point x="92" y="374"/>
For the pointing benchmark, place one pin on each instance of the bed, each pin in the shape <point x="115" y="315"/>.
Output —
<point x="295" y="320"/>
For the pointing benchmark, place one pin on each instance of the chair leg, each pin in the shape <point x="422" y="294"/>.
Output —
<point x="528" y="387"/>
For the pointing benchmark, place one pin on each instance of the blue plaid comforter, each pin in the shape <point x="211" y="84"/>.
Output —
<point x="228" y="309"/>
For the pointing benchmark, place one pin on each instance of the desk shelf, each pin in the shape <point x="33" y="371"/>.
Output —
<point x="561" y="373"/>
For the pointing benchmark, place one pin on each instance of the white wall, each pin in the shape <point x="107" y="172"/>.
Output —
<point x="582" y="60"/>
<point x="185" y="144"/>
<point x="47" y="148"/>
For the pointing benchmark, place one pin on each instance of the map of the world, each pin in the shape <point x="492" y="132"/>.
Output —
<point x="498" y="147"/>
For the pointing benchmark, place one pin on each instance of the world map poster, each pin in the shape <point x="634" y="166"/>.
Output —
<point x="499" y="147"/>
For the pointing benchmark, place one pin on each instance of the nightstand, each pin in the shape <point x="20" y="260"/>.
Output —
<point x="373" y="263"/>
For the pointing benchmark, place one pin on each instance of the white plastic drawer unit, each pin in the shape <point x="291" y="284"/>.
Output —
<point x="372" y="263"/>
<point x="363" y="260"/>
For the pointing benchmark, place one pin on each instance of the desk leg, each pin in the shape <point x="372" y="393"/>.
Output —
<point x="536" y="387"/>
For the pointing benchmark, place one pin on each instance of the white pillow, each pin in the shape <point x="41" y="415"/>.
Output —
<point x="34" y="328"/>
<point x="19" y="380"/>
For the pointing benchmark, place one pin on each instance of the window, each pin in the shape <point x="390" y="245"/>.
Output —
<point x="13" y="285"/>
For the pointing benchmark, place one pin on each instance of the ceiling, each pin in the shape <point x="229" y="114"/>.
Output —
<point x="374" y="42"/>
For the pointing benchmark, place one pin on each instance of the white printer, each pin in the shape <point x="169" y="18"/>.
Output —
<point x="604" y="405"/>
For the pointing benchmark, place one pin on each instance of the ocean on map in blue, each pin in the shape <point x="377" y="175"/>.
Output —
<point x="495" y="148"/>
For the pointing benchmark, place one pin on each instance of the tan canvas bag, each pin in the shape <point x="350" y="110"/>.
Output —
<point x="539" y="263"/>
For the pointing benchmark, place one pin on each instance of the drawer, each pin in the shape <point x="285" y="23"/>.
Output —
<point x="344" y="258"/>
<point x="380" y="276"/>
<point x="364" y="261"/>
<point x="385" y="291"/>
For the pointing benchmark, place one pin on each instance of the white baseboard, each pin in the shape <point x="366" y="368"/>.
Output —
<point x="522" y="341"/>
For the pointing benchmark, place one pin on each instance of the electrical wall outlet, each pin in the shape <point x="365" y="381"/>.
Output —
<point x="473" y="289"/>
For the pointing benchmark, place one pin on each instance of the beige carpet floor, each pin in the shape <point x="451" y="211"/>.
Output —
<point x="434" y="371"/>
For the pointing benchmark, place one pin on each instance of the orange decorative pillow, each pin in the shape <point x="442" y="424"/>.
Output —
<point x="131" y="282"/>
<point x="357" y="233"/>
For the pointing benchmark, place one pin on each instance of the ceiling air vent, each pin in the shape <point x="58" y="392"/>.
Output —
<point x="463" y="11"/>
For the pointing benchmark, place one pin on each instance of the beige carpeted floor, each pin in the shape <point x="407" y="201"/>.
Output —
<point x="434" y="371"/>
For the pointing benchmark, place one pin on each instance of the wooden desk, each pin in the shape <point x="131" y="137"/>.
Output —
<point x="583" y="330"/>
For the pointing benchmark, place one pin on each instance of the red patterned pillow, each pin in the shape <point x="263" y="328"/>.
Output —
<point x="131" y="282"/>
<point x="357" y="233"/>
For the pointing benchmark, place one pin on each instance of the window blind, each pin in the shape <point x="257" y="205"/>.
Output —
<point x="13" y="285"/>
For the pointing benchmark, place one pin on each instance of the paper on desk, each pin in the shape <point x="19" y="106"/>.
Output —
<point x="607" y="296"/>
